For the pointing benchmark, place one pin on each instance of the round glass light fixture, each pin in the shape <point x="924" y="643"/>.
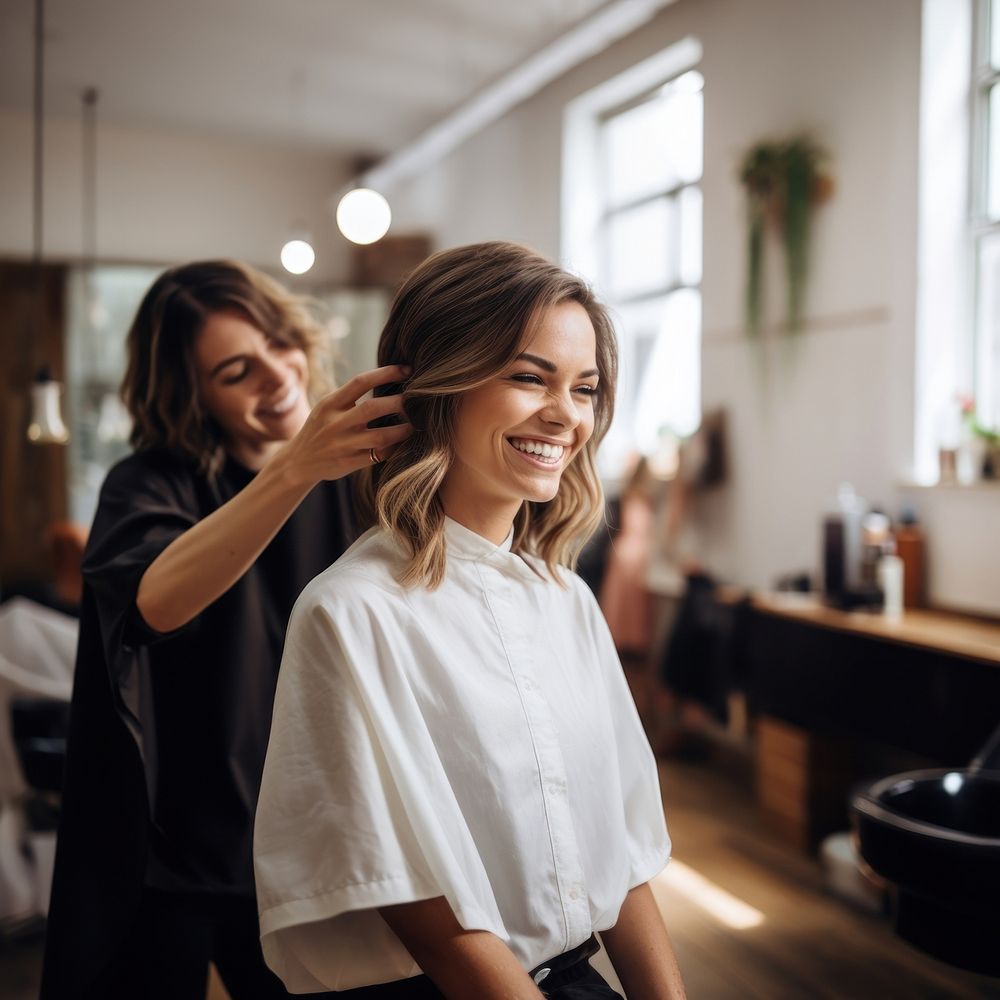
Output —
<point x="297" y="256"/>
<point x="363" y="215"/>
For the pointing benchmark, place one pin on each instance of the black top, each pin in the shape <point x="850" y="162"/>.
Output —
<point x="168" y="731"/>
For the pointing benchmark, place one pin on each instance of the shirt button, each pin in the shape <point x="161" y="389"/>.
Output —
<point x="574" y="893"/>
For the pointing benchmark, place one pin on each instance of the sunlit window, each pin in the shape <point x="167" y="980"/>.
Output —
<point x="632" y="226"/>
<point x="649" y="260"/>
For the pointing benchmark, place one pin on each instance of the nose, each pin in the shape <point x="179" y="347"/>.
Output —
<point x="560" y="410"/>
<point x="273" y="368"/>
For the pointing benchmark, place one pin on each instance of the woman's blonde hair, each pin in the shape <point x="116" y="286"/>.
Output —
<point x="459" y="320"/>
<point x="160" y="386"/>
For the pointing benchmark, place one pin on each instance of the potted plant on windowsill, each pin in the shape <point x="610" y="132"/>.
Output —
<point x="982" y="443"/>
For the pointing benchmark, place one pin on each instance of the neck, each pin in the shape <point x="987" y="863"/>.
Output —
<point x="490" y="521"/>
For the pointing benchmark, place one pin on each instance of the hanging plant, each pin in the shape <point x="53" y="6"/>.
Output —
<point x="784" y="182"/>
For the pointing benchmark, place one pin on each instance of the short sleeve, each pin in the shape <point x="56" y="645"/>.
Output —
<point x="144" y="505"/>
<point x="355" y="811"/>
<point x="648" y="840"/>
<point x="141" y="511"/>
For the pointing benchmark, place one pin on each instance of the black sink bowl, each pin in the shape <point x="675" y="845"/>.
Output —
<point x="934" y="836"/>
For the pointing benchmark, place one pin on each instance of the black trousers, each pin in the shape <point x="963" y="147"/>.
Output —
<point x="174" y="938"/>
<point x="579" y="982"/>
<point x="585" y="984"/>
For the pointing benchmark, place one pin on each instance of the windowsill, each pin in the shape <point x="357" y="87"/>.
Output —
<point x="986" y="485"/>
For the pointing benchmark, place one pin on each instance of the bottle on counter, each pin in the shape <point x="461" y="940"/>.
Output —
<point x="876" y="539"/>
<point x="842" y="540"/>
<point x="910" y="547"/>
<point x="890" y="580"/>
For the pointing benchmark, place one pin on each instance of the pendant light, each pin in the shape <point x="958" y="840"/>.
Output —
<point x="297" y="255"/>
<point x="46" y="425"/>
<point x="96" y="313"/>
<point x="363" y="215"/>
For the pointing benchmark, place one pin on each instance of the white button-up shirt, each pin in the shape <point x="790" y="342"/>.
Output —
<point x="476" y="742"/>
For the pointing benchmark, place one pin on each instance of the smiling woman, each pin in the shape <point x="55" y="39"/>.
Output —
<point x="498" y="334"/>
<point x="536" y="416"/>
<point x="253" y="384"/>
<point x="458" y="792"/>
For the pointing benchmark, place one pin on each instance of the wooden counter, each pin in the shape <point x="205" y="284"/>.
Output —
<point x="828" y="688"/>
<point x="945" y="633"/>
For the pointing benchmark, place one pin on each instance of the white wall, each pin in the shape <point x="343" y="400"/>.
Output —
<point x="837" y="403"/>
<point x="168" y="197"/>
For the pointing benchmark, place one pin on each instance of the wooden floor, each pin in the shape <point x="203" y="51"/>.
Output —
<point x="810" y="945"/>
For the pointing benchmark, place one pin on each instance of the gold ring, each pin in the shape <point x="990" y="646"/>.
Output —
<point x="375" y="459"/>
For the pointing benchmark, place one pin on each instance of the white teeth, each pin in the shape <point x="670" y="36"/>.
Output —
<point x="286" y="402"/>
<point x="550" y="452"/>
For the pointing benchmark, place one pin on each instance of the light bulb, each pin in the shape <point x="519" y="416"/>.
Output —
<point x="46" y="425"/>
<point x="297" y="256"/>
<point x="363" y="215"/>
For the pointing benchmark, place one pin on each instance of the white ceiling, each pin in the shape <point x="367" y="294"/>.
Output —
<point x="350" y="77"/>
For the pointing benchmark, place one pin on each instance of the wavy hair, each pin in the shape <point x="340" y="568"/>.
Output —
<point x="459" y="320"/>
<point x="160" y="386"/>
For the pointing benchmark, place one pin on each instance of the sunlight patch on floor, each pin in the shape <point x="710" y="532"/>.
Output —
<point x="705" y="894"/>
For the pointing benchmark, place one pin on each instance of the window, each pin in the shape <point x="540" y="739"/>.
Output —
<point x="985" y="204"/>
<point x="632" y="225"/>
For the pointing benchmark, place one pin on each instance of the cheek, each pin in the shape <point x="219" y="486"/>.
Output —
<point x="224" y="407"/>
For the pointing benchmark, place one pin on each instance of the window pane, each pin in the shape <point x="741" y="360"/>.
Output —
<point x="637" y="153"/>
<point x="689" y="204"/>
<point x="683" y="129"/>
<point x="654" y="146"/>
<point x="642" y="248"/>
<point x="993" y="156"/>
<point x="664" y="377"/>
<point x="988" y="333"/>
<point x="101" y="305"/>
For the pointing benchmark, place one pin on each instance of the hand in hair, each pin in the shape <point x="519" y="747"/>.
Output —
<point x="204" y="562"/>
<point x="336" y="439"/>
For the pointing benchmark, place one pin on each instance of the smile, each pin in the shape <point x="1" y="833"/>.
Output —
<point x="538" y="451"/>
<point x="284" y="404"/>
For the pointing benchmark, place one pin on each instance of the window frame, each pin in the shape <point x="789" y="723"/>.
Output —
<point x="984" y="77"/>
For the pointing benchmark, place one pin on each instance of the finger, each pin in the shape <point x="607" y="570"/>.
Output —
<point x="387" y="437"/>
<point x="352" y="390"/>
<point x="386" y="450"/>
<point x="373" y="409"/>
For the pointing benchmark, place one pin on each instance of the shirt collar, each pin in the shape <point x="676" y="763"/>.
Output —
<point x="463" y="543"/>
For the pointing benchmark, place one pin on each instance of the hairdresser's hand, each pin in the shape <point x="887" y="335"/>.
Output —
<point x="335" y="439"/>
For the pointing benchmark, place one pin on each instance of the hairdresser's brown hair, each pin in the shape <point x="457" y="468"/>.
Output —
<point x="159" y="388"/>
<point x="459" y="320"/>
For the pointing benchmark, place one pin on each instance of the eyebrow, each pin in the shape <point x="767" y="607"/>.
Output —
<point x="549" y="366"/>
<point x="229" y="361"/>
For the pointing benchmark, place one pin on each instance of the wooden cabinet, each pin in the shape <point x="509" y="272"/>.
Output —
<point x="824" y="685"/>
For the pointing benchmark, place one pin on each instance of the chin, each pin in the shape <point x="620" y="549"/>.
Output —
<point x="542" y="494"/>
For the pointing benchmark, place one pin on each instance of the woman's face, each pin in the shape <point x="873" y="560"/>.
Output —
<point x="254" y="387"/>
<point x="516" y="435"/>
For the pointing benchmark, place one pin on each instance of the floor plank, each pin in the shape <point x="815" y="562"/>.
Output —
<point x="810" y="944"/>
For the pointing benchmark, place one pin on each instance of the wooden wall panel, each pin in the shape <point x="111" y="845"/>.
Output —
<point x="33" y="478"/>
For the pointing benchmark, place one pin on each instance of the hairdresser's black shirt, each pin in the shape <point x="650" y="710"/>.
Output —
<point x="168" y="731"/>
